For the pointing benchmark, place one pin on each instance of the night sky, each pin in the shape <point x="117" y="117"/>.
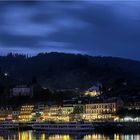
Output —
<point x="88" y="27"/>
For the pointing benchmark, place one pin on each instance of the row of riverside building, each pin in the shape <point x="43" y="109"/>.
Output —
<point x="64" y="113"/>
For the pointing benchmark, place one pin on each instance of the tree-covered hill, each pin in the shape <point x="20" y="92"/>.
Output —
<point x="68" y="71"/>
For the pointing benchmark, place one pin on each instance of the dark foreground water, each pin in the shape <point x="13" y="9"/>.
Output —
<point x="32" y="135"/>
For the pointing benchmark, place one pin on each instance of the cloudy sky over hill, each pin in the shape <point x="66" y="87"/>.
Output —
<point x="89" y="27"/>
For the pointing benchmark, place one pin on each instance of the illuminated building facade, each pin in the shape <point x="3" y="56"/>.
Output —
<point x="54" y="113"/>
<point x="46" y="112"/>
<point x="58" y="113"/>
<point x="94" y="91"/>
<point x="26" y="113"/>
<point x="99" y="111"/>
<point x="5" y="113"/>
<point x="133" y="105"/>
<point x="67" y="109"/>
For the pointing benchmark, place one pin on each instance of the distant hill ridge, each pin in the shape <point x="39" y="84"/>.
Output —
<point x="68" y="71"/>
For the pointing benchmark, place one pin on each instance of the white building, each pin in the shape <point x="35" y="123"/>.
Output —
<point x="67" y="109"/>
<point x="40" y="107"/>
<point x="22" y="90"/>
<point x="99" y="111"/>
<point x="94" y="90"/>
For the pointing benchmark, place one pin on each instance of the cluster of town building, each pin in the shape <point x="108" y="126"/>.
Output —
<point x="96" y="111"/>
<point x="66" y="112"/>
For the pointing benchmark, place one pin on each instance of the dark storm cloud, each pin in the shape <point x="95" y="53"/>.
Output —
<point x="90" y="27"/>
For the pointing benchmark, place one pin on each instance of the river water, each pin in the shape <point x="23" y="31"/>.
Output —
<point x="33" y="135"/>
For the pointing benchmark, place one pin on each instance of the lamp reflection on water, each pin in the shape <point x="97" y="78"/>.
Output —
<point x="34" y="135"/>
<point x="59" y="137"/>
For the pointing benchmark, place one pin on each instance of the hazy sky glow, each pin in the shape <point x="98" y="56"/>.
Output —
<point x="89" y="27"/>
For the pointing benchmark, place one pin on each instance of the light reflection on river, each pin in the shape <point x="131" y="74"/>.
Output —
<point x="32" y="135"/>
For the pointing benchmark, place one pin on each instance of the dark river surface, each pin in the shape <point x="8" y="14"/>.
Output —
<point x="33" y="135"/>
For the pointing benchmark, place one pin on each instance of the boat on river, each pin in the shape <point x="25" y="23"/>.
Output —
<point x="64" y="127"/>
<point x="8" y="125"/>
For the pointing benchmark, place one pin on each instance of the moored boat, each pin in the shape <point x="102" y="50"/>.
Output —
<point x="65" y="127"/>
<point x="8" y="125"/>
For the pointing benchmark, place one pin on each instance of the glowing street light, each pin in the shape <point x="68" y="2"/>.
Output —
<point x="6" y="74"/>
